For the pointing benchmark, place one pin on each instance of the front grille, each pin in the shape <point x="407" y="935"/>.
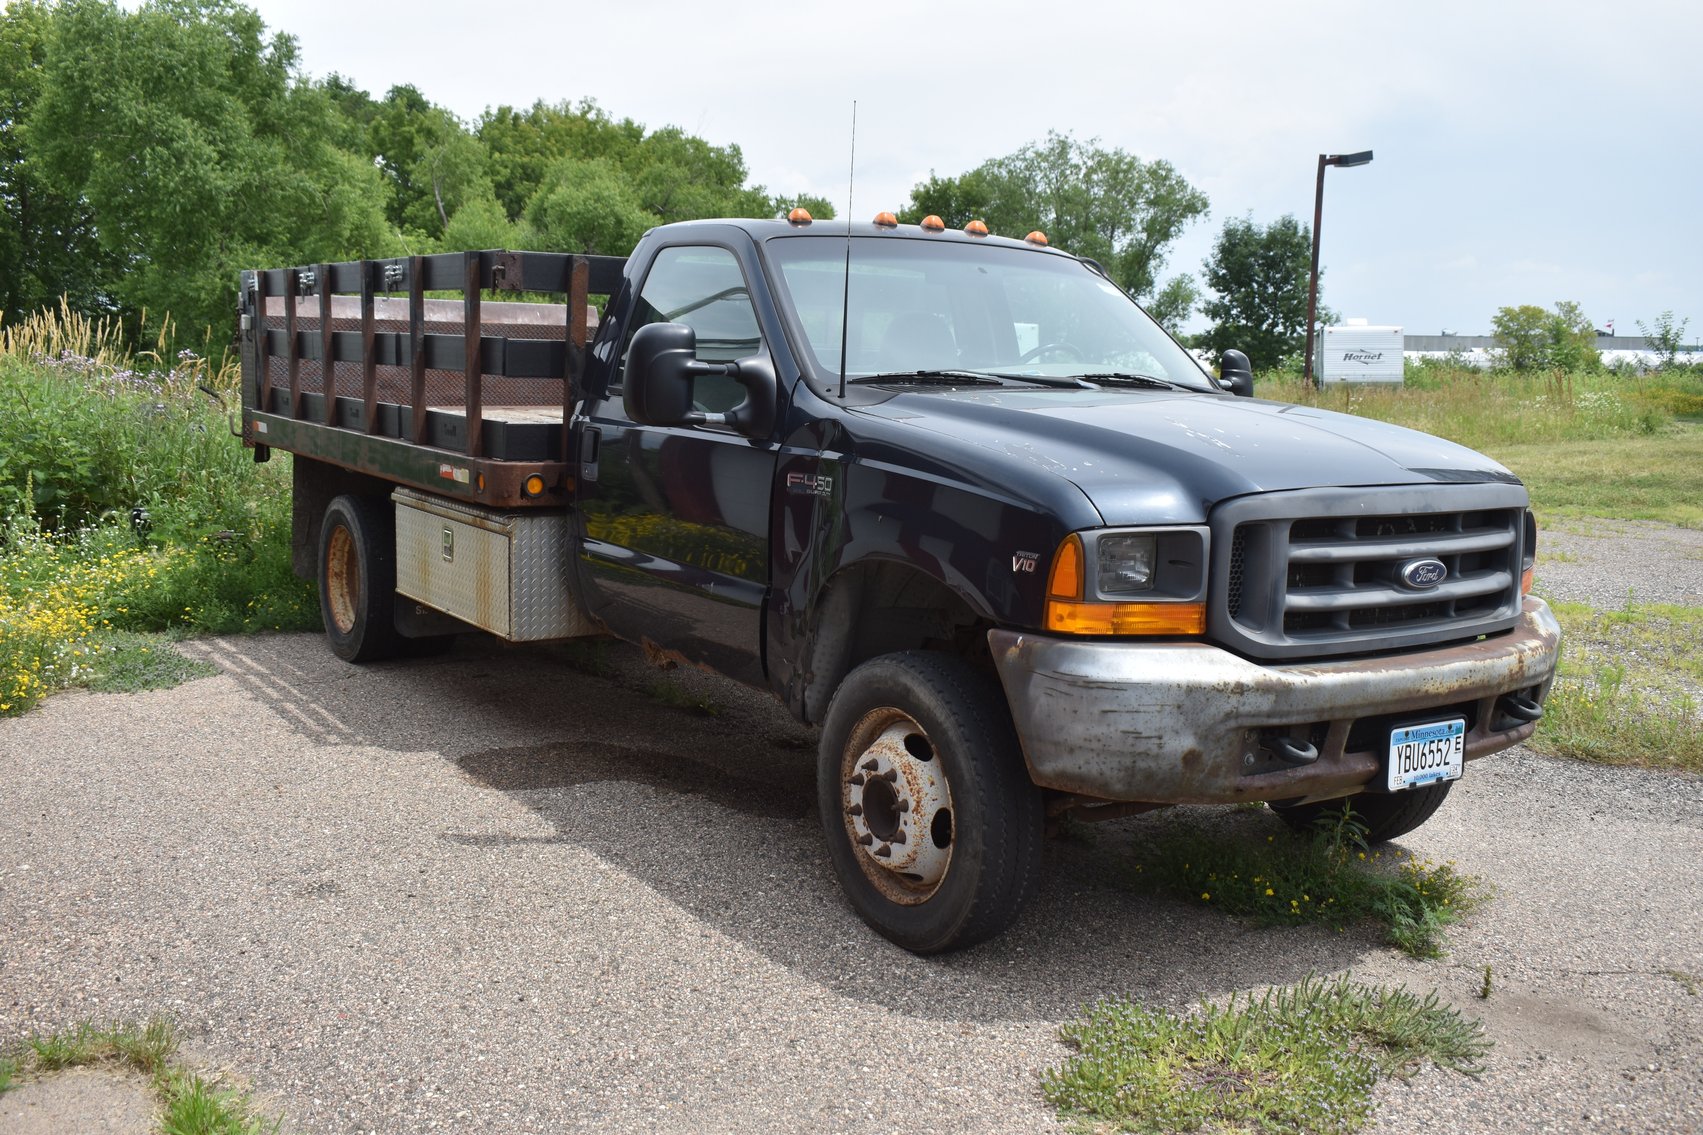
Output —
<point x="1319" y="572"/>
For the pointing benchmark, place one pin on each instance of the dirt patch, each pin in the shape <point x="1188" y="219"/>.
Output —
<point x="82" y="1101"/>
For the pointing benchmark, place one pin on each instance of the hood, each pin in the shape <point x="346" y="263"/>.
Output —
<point x="1156" y="457"/>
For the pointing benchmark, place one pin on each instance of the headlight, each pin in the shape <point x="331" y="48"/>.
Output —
<point x="1166" y="567"/>
<point x="1125" y="564"/>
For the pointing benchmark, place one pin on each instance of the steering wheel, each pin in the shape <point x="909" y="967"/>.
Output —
<point x="1030" y="355"/>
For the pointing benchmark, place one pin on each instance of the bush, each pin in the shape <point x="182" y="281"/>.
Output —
<point x="126" y="506"/>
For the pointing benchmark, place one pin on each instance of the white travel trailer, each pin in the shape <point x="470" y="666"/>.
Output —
<point x="1356" y="351"/>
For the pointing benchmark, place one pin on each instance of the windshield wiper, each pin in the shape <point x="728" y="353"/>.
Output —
<point x="931" y="377"/>
<point x="1120" y="378"/>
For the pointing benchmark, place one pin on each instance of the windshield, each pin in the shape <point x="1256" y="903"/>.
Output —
<point x="935" y="305"/>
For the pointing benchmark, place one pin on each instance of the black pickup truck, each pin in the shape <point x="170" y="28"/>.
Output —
<point x="953" y="498"/>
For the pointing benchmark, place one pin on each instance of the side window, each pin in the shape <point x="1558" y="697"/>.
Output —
<point x="704" y="289"/>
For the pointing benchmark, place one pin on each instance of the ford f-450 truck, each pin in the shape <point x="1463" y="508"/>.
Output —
<point x="953" y="498"/>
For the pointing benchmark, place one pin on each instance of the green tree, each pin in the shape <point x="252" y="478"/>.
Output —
<point x="1572" y="338"/>
<point x="586" y="206"/>
<point x="1530" y="338"/>
<point x="1666" y="337"/>
<point x="433" y="164"/>
<point x="184" y="131"/>
<point x="48" y="245"/>
<point x="1258" y="274"/>
<point x="1105" y="204"/>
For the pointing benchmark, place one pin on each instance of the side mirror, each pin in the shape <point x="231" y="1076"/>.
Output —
<point x="1235" y="374"/>
<point x="662" y="365"/>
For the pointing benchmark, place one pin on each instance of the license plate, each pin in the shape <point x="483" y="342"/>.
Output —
<point x="1425" y="754"/>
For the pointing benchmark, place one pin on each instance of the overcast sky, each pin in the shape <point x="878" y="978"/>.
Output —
<point x="1526" y="152"/>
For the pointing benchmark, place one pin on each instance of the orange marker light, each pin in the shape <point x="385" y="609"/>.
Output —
<point x="1037" y="237"/>
<point x="1064" y="581"/>
<point x="534" y="486"/>
<point x="886" y="220"/>
<point x="933" y="224"/>
<point x="1126" y="618"/>
<point x="800" y="216"/>
<point x="976" y="228"/>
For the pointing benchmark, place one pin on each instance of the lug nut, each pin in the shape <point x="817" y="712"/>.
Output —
<point x="885" y="851"/>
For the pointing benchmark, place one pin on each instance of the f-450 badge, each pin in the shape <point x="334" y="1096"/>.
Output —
<point x="818" y="484"/>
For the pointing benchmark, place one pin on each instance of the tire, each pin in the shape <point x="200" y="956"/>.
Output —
<point x="357" y="579"/>
<point x="1387" y="815"/>
<point x="933" y="825"/>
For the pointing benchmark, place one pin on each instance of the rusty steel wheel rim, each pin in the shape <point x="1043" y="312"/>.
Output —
<point x="342" y="579"/>
<point x="897" y="806"/>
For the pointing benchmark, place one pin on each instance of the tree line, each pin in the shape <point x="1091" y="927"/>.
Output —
<point x="147" y="156"/>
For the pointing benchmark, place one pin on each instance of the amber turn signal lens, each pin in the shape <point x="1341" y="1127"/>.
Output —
<point x="1526" y="582"/>
<point x="800" y="216"/>
<point x="1068" y="617"/>
<point x="1064" y="581"/>
<point x="933" y="224"/>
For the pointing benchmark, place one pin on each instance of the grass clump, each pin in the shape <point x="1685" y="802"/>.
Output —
<point x="1621" y="695"/>
<point x="190" y="1104"/>
<point x="1327" y="875"/>
<point x="1302" y="1059"/>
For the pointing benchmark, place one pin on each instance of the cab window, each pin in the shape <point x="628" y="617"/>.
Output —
<point x="704" y="289"/>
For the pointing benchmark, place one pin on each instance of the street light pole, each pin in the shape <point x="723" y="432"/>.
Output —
<point x="1364" y="157"/>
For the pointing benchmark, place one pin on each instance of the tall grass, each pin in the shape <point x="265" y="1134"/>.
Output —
<point x="126" y="506"/>
<point x="1489" y="410"/>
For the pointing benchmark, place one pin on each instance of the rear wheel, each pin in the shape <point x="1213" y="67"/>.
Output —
<point x="1387" y="815"/>
<point x="357" y="579"/>
<point x="933" y="826"/>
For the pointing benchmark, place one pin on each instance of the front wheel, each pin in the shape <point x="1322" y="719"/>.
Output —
<point x="933" y="825"/>
<point x="1386" y="815"/>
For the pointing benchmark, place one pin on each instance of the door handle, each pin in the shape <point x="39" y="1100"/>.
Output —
<point x="590" y="444"/>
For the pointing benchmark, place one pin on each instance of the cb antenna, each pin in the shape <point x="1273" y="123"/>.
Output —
<point x="845" y="295"/>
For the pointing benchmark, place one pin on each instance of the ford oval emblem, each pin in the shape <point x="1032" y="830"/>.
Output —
<point x="1423" y="575"/>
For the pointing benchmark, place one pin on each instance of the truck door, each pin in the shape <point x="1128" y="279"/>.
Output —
<point x="677" y="517"/>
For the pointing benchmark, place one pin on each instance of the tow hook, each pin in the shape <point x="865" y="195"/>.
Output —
<point x="1290" y="751"/>
<point x="1521" y="708"/>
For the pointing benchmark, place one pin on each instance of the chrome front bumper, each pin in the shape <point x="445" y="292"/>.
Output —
<point x="1182" y="723"/>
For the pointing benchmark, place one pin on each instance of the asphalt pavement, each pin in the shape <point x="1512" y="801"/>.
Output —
<point x="493" y="891"/>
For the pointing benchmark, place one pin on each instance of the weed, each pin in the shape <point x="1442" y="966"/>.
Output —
<point x="1327" y="875"/>
<point x="1303" y="1058"/>
<point x="1621" y="693"/>
<point x="1687" y="981"/>
<point x="1484" y="987"/>
<point x="192" y="1106"/>
<point x="666" y="691"/>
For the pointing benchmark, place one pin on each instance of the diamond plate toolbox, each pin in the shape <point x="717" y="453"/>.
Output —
<point x="507" y="573"/>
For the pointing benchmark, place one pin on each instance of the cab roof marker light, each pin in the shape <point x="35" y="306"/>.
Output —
<point x="886" y="220"/>
<point x="799" y="216"/>
<point x="1037" y="237"/>
<point x="976" y="228"/>
<point x="933" y="224"/>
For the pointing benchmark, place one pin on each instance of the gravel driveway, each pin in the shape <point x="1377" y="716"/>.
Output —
<point x="489" y="892"/>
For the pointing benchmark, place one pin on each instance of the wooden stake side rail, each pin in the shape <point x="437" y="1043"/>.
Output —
<point x="346" y="431"/>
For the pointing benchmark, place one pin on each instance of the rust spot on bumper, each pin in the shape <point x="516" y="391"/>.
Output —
<point x="1180" y="723"/>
